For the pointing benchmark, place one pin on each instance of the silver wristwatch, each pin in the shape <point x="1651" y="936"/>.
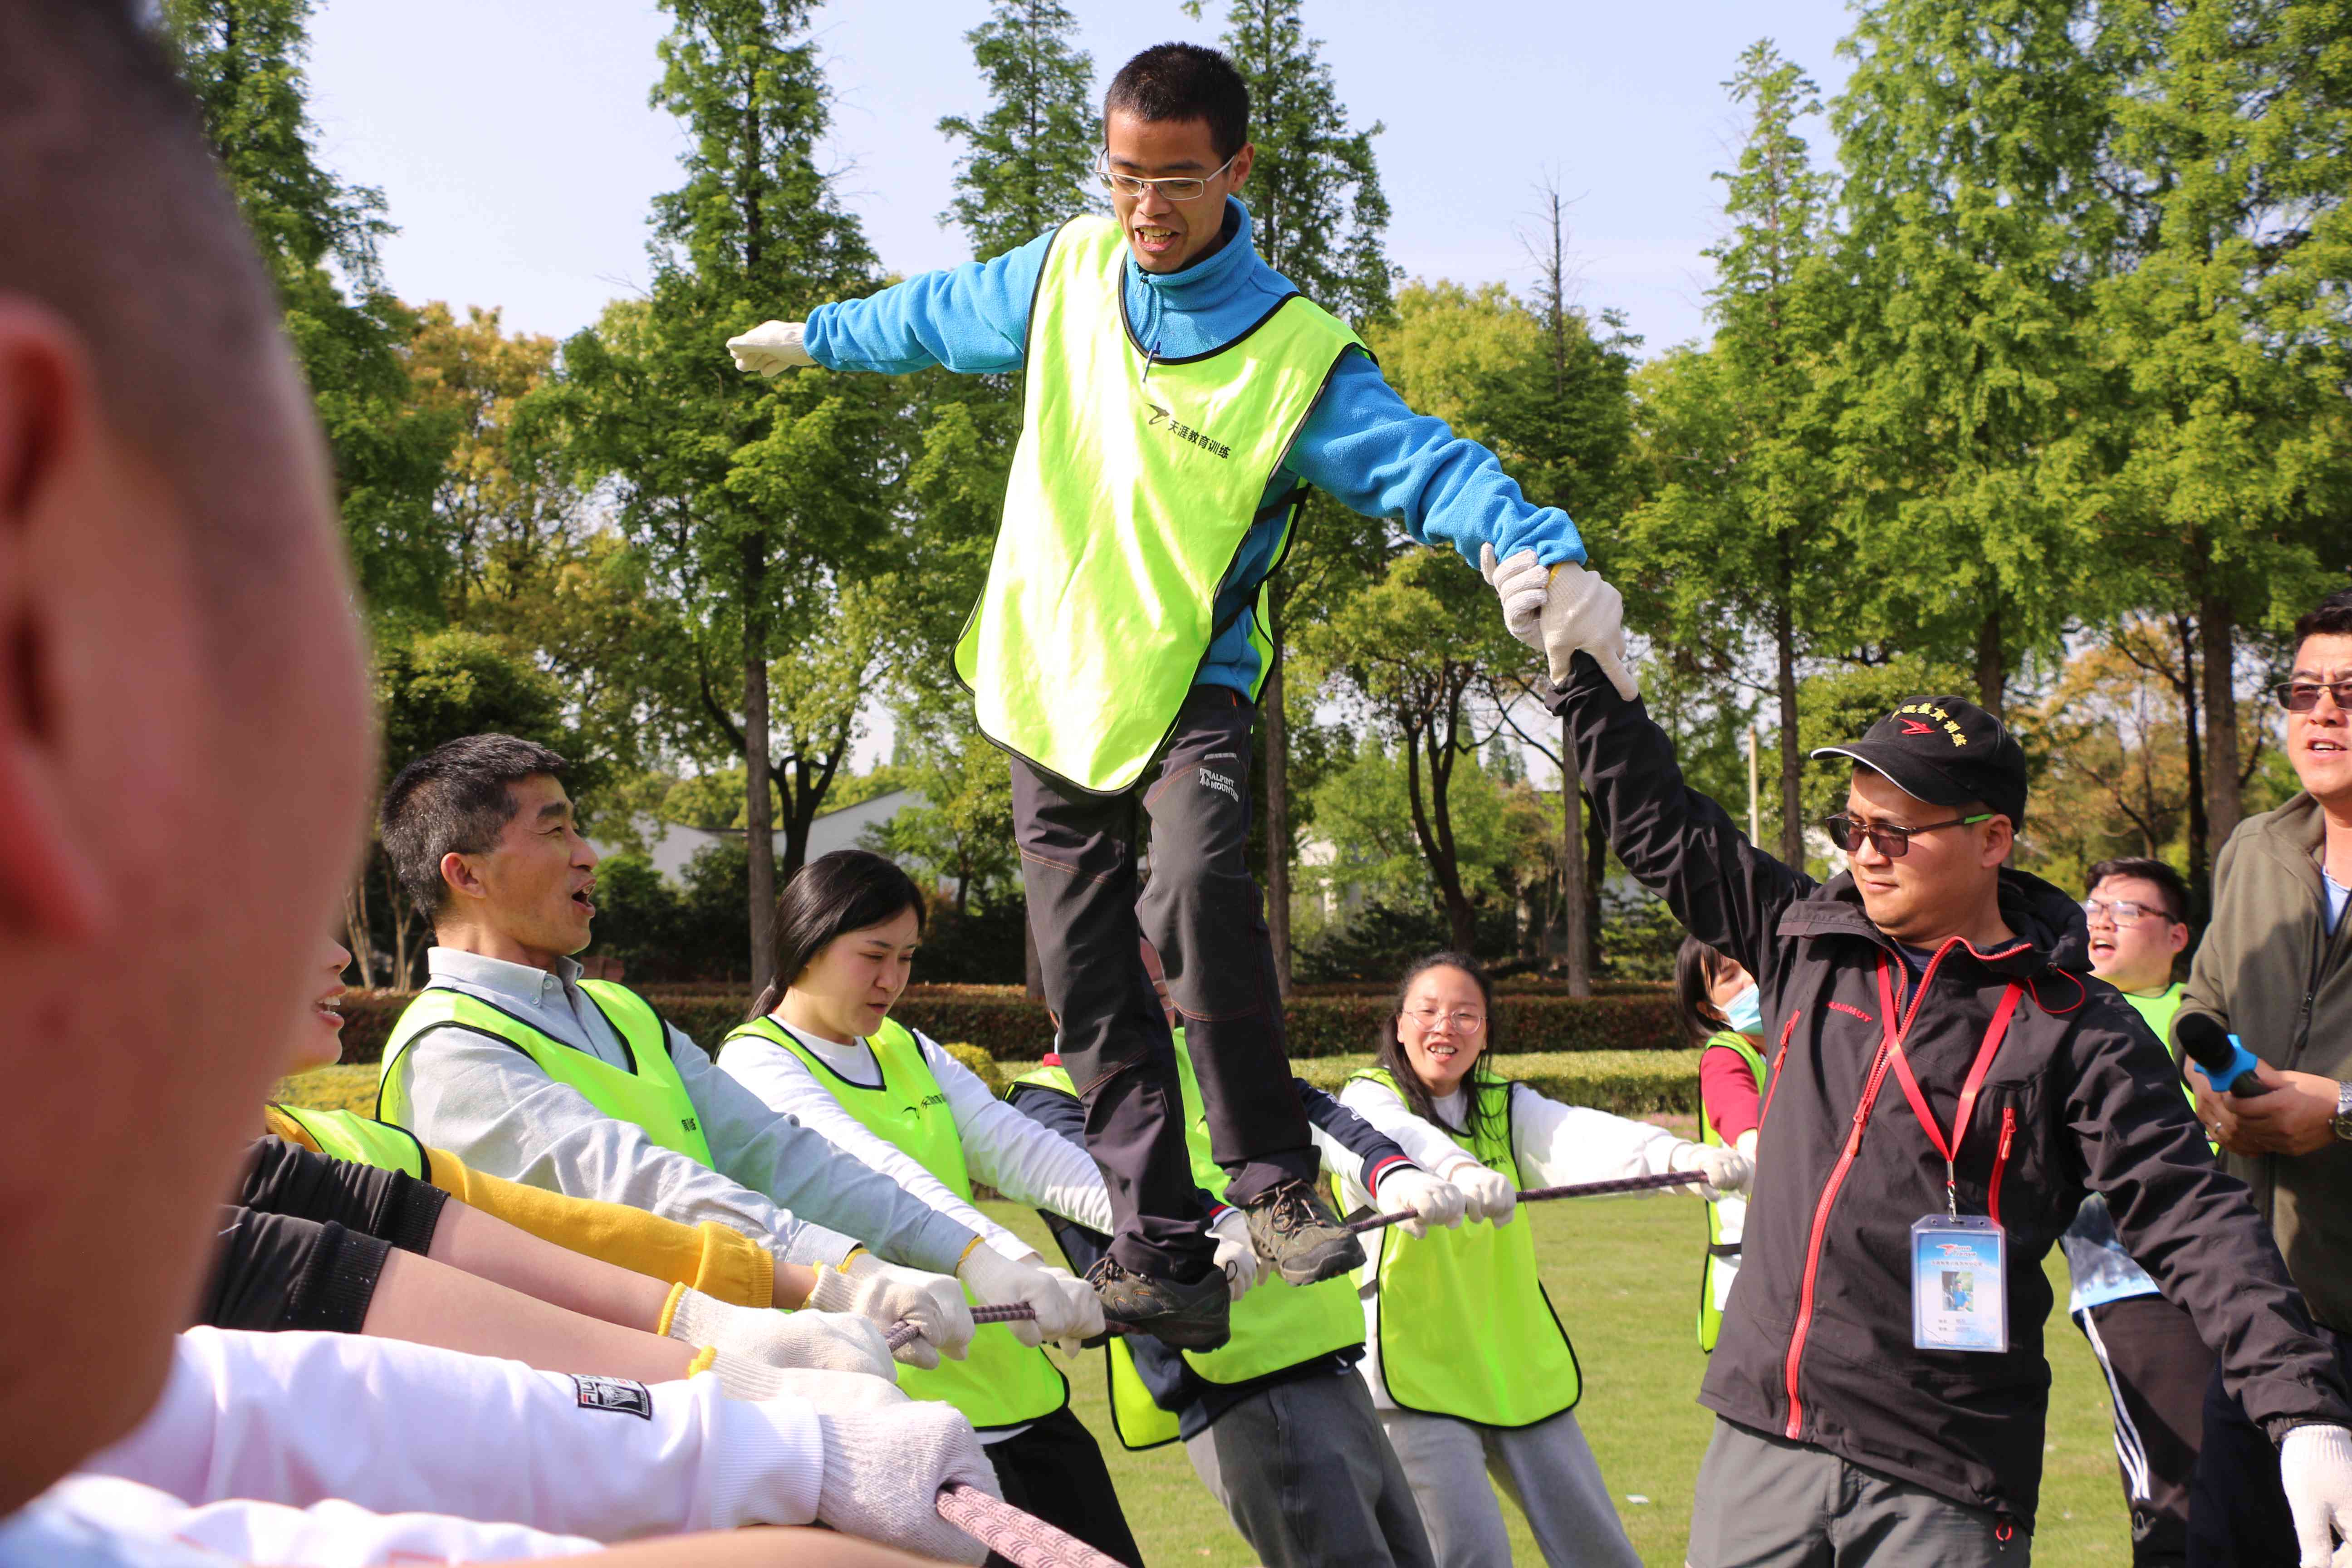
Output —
<point x="2343" y="1123"/>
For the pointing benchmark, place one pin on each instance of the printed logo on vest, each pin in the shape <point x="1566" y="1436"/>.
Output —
<point x="1184" y="432"/>
<point x="690" y="1123"/>
<point x="615" y="1394"/>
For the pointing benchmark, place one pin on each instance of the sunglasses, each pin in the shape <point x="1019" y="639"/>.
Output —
<point x="2303" y="695"/>
<point x="1890" y="841"/>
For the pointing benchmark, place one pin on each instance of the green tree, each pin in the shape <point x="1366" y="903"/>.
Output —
<point x="242" y="62"/>
<point x="752" y="501"/>
<point x="2228" y="503"/>
<point x="1740" y="437"/>
<point x="1027" y="161"/>
<point x="1320" y="218"/>
<point x="1971" y="135"/>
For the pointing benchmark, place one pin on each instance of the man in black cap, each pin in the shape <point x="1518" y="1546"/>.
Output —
<point x="1947" y="1079"/>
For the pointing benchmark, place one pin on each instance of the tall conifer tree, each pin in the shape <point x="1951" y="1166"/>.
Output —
<point x="1028" y="160"/>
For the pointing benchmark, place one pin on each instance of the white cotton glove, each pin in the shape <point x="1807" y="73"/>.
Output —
<point x="1430" y="1200"/>
<point x="1486" y="1193"/>
<point x="1746" y="1144"/>
<point x="1522" y="583"/>
<point x="1727" y="1172"/>
<point x="769" y="347"/>
<point x="835" y="1342"/>
<point x="884" y="1469"/>
<point x="1237" y="1253"/>
<point x="882" y="1293"/>
<point x="831" y="1393"/>
<point x="2316" y="1471"/>
<point x="1068" y="1309"/>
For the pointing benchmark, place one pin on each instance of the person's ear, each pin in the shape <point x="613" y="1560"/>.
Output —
<point x="459" y="876"/>
<point x="49" y="429"/>
<point x="2179" y="936"/>
<point x="2000" y="837"/>
<point x="1243" y="162"/>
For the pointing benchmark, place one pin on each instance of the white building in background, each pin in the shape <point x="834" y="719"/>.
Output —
<point x="670" y="845"/>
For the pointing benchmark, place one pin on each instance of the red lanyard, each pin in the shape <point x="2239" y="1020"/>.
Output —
<point x="1994" y="1033"/>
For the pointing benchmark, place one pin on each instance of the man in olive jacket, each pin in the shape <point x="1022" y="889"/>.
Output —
<point x="2275" y="970"/>
<point x="1839" y="1441"/>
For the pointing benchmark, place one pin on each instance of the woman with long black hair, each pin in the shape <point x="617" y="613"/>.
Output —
<point x="820" y="1045"/>
<point x="1469" y="1367"/>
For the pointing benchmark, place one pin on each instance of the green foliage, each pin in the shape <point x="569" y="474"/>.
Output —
<point x="1029" y="159"/>
<point x="438" y="686"/>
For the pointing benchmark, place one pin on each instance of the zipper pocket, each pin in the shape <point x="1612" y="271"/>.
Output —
<point x="2000" y="1160"/>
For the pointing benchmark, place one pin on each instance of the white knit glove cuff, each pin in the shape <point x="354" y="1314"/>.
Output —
<point x="2315" y="1473"/>
<point x="834" y="1341"/>
<point x="883" y="1472"/>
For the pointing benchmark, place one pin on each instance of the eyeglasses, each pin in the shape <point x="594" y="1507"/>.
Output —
<point x="1464" y="1022"/>
<point x="1176" y="188"/>
<point x="2303" y="695"/>
<point x="1888" y="840"/>
<point x="2123" y="912"/>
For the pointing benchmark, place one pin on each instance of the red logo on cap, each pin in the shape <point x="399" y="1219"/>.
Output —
<point x="1916" y="727"/>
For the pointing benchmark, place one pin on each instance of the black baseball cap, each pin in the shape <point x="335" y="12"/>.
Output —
<point x="1946" y="749"/>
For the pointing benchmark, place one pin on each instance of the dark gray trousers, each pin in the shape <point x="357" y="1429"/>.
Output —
<point x="1204" y="916"/>
<point x="1765" y="1503"/>
<point x="1310" y="1479"/>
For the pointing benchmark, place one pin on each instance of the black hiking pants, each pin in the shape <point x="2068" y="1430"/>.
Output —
<point x="1203" y="914"/>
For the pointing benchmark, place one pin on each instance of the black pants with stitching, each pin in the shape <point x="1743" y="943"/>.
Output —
<point x="1202" y="913"/>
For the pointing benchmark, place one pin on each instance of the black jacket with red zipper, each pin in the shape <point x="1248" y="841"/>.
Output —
<point x="1816" y="1342"/>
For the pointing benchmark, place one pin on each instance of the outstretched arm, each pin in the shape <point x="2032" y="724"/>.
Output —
<point x="972" y="318"/>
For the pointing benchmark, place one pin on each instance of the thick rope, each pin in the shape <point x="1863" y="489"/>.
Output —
<point x="1019" y="1538"/>
<point x="904" y="1330"/>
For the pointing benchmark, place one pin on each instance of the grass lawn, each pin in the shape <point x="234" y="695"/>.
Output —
<point x="1623" y="1274"/>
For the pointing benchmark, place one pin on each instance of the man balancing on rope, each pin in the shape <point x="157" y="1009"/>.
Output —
<point x="1180" y="397"/>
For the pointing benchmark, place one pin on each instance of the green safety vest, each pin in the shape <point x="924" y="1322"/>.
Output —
<point x="1001" y="1382"/>
<point x="361" y="1139"/>
<point x="647" y="1093"/>
<point x="1276" y="1325"/>
<point x="1464" y="1326"/>
<point x="1136" y="480"/>
<point x="1723" y="1230"/>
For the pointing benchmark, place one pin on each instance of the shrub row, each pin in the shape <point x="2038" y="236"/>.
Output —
<point x="1001" y="1022"/>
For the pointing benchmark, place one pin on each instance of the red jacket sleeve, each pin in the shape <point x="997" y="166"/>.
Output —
<point x="1727" y="1089"/>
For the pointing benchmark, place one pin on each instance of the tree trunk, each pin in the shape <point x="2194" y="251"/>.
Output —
<point x="759" y="823"/>
<point x="1992" y="671"/>
<point x="1277" y="815"/>
<point x="2201" y="835"/>
<point x="2217" y="628"/>
<point x="355" y="928"/>
<point x="1576" y="918"/>
<point x="1793" y="755"/>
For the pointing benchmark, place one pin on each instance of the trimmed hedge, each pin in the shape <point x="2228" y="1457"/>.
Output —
<point x="1000" y="1020"/>
<point x="1627" y="1083"/>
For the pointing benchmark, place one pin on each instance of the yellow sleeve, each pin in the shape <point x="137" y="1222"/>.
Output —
<point x="281" y="1125"/>
<point x="710" y="1258"/>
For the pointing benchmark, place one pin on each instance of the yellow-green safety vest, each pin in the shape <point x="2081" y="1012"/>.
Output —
<point x="1001" y="1382"/>
<point x="361" y="1139"/>
<point x="1276" y="1325"/>
<point x="1465" y="1328"/>
<point x="1726" y="1220"/>
<point x="648" y="1092"/>
<point x="1135" y="482"/>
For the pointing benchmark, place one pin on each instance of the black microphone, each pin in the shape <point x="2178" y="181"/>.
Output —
<point x="2226" y="1061"/>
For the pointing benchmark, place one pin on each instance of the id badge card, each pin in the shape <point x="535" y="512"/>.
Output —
<point x="1959" y="1284"/>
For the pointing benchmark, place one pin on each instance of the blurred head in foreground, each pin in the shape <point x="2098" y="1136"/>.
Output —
<point x="184" y="749"/>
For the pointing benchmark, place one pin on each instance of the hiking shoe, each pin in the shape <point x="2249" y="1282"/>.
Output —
<point x="1296" y="1231"/>
<point x="1193" y="1317"/>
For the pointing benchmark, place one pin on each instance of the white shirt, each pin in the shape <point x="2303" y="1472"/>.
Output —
<point x="103" y="1522"/>
<point x="776" y="1182"/>
<point x="1555" y="1144"/>
<point x="1027" y="1162"/>
<point x="299" y="1419"/>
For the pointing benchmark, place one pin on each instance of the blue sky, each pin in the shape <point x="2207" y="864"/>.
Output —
<point x="513" y="141"/>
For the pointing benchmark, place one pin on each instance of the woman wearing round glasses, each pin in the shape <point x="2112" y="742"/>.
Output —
<point x="1469" y="1367"/>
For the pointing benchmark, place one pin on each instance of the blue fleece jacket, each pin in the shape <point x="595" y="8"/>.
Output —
<point x="1360" y="444"/>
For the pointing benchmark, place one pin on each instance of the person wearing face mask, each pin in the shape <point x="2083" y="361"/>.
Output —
<point x="820" y="1048"/>
<point x="1722" y="1014"/>
<point x="1469" y="1367"/>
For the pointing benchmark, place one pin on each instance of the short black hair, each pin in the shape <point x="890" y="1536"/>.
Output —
<point x="2332" y="616"/>
<point x="454" y="800"/>
<point x="113" y="215"/>
<point x="2176" y="891"/>
<point x="1185" y="81"/>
